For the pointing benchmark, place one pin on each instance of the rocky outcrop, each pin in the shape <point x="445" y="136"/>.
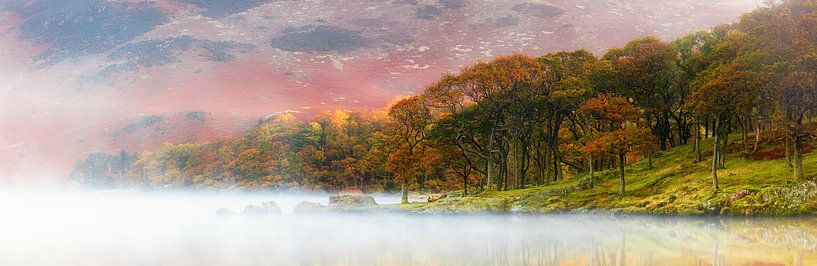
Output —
<point x="792" y="200"/>
<point x="351" y="203"/>
<point x="436" y="197"/>
<point x="464" y="205"/>
<point x="266" y="208"/>
<point x="225" y="212"/>
<point x="306" y="207"/>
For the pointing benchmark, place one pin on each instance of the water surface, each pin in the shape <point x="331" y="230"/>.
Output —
<point x="133" y="228"/>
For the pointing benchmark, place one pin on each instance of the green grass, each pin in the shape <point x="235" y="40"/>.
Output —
<point x="676" y="185"/>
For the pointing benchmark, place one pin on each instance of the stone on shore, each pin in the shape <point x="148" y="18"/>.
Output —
<point x="306" y="207"/>
<point x="351" y="203"/>
<point x="266" y="208"/>
<point x="225" y="212"/>
<point x="436" y="197"/>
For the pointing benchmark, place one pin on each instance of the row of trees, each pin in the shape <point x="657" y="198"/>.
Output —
<point x="519" y="120"/>
<point x="338" y="150"/>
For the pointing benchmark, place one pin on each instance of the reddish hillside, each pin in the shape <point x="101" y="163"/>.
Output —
<point x="65" y="92"/>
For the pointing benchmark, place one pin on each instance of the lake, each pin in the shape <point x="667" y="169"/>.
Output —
<point x="140" y="228"/>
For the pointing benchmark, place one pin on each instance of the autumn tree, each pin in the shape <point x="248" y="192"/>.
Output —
<point x="410" y="123"/>
<point x="524" y="111"/>
<point x="696" y="52"/>
<point x="798" y="96"/>
<point x="646" y="71"/>
<point x="793" y="29"/>
<point x="493" y="108"/>
<point x="615" y="130"/>
<point x="518" y="120"/>
<point x="602" y="114"/>
<point x="621" y="143"/>
<point x="718" y="96"/>
<point x="572" y="75"/>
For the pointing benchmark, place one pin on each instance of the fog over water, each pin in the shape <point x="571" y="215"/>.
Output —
<point x="141" y="228"/>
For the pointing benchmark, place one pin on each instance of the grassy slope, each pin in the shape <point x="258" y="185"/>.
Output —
<point x="675" y="185"/>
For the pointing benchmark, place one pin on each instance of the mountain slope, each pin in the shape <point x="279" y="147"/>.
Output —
<point x="73" y="72"/>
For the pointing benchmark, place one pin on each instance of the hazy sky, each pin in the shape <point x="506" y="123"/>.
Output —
<point x="95" y="75"/>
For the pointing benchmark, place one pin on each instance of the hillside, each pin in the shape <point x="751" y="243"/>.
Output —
<point x="675" y="185"/>
<point x="521" y="120"/>
<point x="75" y="71"/>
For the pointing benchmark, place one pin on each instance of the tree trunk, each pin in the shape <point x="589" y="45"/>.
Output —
<point x="537" y="158"/>
<point x="592" y="172"/>
<point x="466" y="172"/>
<point x="524" y="164"/>
<point x="490" y="160"/>
<point x="557" y="162"/>
<point x="516" y="165"/>
<point x="706" y="128"/>
<point x="465" y="185"/>
<point x="683" y="129"/>
<point x="504" y="154"/>
<point x="541" y="155"/>
<point x="798" y="157"/>
<point x="698" y="140"/>
<point x="649" y="160"/>
<point x="715" y="156"/>
<point x="504" y="174"/>
<point x="404" y="192"/>
<point x="757" y="134"/>
<point x="548" y="169"/>
<point x="481" y="184"/>
<point x="621" y="174"/>
<point x="744" y="133"/>
<point x="668" y="130"/>
<point x="501" y="163"/>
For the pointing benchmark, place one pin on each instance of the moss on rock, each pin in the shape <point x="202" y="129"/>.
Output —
<point x="466" y="205"/>
<point x="352" y="203"/>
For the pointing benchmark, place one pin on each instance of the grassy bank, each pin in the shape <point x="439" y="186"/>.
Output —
<point x="676" y="185"/>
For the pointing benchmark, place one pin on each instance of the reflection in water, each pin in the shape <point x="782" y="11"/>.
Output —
<point x="128" y="228"/>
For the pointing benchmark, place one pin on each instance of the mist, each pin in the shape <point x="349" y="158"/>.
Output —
<point x="137" y="228"/>
<point x="144" y="132"/>
<point x="64" y="94"/>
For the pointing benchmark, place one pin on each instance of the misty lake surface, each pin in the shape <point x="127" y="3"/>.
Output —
<point x="139" y="228"/>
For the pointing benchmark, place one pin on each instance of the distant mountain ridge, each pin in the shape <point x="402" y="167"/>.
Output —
<point x="82" y="69"/>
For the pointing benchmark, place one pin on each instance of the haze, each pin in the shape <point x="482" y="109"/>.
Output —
<point x="93" y="75"/>
<point x="133" y="228"/>
<point x="323" y="132"/>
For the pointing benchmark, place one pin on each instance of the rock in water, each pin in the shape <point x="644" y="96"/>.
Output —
<point x="225" y="212"/>
<point x="309" y="207"/>
<point x="272" y="207"/>
<point x="266" y="208"/>
<point x="252" y="210"/>
<point x="347" y="203"/>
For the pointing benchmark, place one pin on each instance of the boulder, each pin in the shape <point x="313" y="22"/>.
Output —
<point x="225" y="212"/>
<point x="436" y="197"/>
<point x="346" y="203"/>
<point x="266" y="208"/>
<point x="271" y="206"/>
<point x="738" y="195"/>
<point x="352" y="191"/>
<point x="309" y="207"/>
